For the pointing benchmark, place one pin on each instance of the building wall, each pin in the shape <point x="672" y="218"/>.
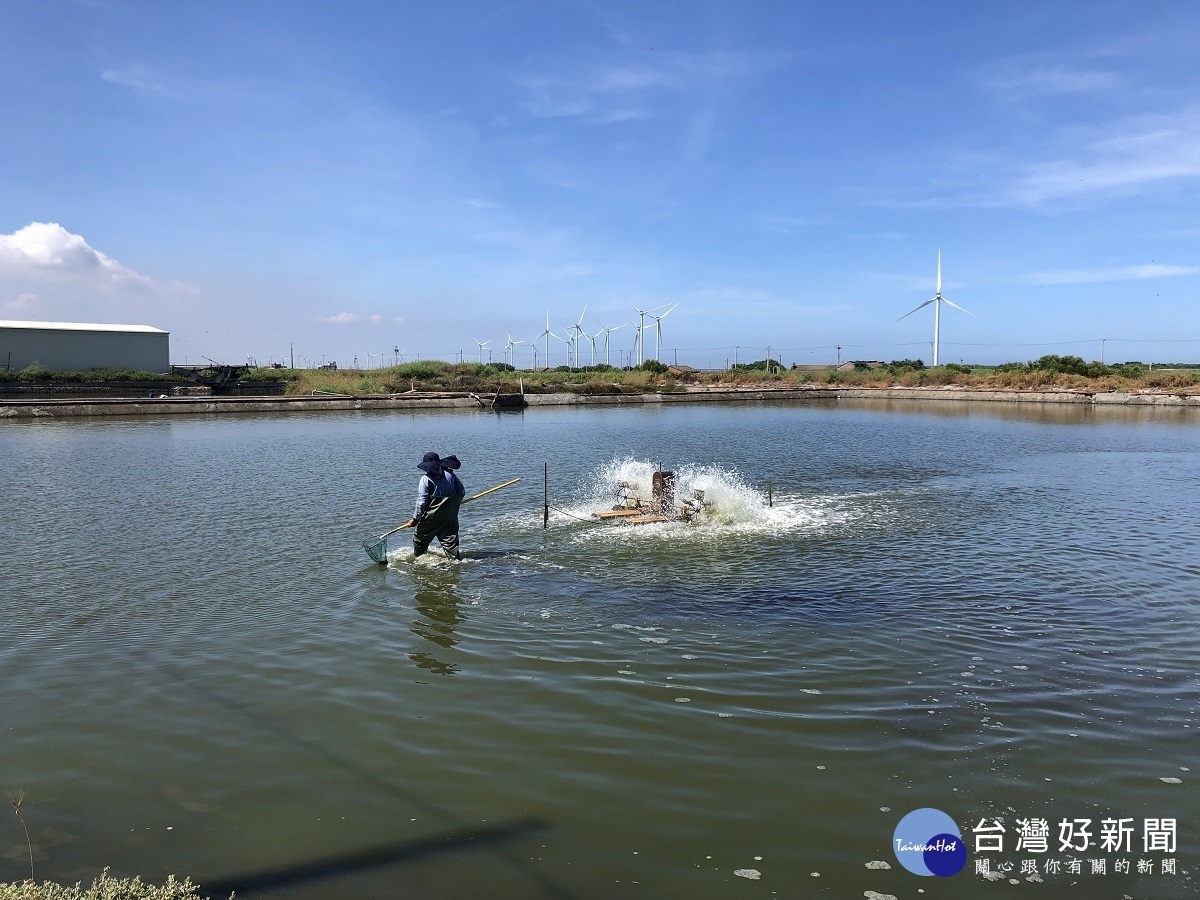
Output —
<point x="78" y="350"/>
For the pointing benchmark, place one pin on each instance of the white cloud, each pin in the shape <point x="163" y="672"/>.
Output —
<point x="483" y="204"/>
<point x="134" y="76"/>
<point x="47" y="249"/>
<point x="25" y="303"/>
<point x="1126" y="273"/>
<point x="377" y="318"/>
<point x="342" y="318"/>
<point x="606" y="94"/>
<point x="1144" y="152"/>
<point x="1027" y="76"/>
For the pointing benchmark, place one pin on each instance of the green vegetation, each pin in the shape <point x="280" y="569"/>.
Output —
<point x="1046" y="373"/>
<point x="103" y="888"/>
<point x="36" y="373"/>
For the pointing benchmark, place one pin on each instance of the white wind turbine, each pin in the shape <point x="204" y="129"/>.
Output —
<point x="658" y="330"/>
<point x="607" y="331"/>
<point x="509" y="355"/>
<point x="547" y="334"/>
<point x="574" y="333"/>
<point x="481" y="344"/>
<point x="937" y="300"/>
<point x="641" y="326"/>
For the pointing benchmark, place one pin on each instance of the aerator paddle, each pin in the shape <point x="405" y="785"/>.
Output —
<point x="377" y="547"/>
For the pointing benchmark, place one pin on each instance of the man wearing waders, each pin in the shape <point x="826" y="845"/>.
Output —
<point x="439" y="495"/>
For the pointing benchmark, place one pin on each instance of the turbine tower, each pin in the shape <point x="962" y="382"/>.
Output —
<point x="574" y="333"/>
<point x="509" y="351"/>
<point x="937" y="300"/>
<point x="547" y="334"/>
<point x="658" y="331"/>
<point x="481" y="344"/>
<point x="638" y="341"/>
<point x="607" y="332"/>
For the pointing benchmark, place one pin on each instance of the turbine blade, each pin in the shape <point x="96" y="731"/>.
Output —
<point x="956" y="306"/>
<point x="922" y="306"/>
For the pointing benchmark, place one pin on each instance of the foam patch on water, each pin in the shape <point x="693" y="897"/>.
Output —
<point x="434" y="558"/>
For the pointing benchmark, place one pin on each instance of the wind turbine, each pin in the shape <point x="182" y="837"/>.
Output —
<point x="607" y="332"/>
<point x="508" y="350"/>
<point x="547" y="334"/>
<point x="574" y="338"/>
<point x="481" y="344"/>
<point x="641" y="326"/>
<point x="658" y="330"/>
<point x="937" y="300"/>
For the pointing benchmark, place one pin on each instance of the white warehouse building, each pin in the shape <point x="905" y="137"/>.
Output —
<point x="77" y="347"/>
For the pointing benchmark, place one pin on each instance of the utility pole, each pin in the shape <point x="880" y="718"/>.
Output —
<point x="839" y="354"/>
<point x="291" y="355"/>
<point x="1102" y="340"/>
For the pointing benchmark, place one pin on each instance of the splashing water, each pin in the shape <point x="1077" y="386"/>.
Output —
<point x="732" y="503"/>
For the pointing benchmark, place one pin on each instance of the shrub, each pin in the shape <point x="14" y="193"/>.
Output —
<point x="653" y="365"/>
<point x="35" y="371"/>
<point x="103" y="888"/>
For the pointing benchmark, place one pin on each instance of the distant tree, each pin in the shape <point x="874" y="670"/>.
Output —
<point x="897" y="366"/>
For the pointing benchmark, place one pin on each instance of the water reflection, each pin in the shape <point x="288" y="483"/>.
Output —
<point x="438" y="614"/>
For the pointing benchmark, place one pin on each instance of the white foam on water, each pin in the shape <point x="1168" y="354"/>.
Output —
<point x="734" y="505"/>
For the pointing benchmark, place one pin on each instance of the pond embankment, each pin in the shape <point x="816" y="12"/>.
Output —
<point x="80" y="407"/>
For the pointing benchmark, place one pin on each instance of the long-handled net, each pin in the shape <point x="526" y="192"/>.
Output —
<point x="377" y="547"/>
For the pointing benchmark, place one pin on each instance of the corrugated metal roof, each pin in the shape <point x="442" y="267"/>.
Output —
<point x="80" y="326"/>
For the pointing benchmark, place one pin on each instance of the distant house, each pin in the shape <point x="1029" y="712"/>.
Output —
<point x="682" y="370"/>
<point x="811" y="367"/>
<point x="77" y="347"/>
<point x="850" y="366"/>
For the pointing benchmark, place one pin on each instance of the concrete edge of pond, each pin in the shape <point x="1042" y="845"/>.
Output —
<point x="79" y="407"/>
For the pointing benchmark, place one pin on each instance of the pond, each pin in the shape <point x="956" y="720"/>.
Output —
<point x="987" y="610"/>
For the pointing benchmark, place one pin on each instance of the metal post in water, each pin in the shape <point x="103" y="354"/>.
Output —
<point x="545" y="496"/>
<point x="770" y="499"/>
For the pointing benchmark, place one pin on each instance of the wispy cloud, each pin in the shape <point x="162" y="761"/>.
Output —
<point x="608" y="93"/>
<point x="1126" y="273"/>
<point x="483" y="204"/>
<point x="1027" y="77"/>
<point x="134" y="76"/>
<point x="349" y="318"/>
<point x="25" y="304"/>
<point x="47" y="249"/>
<point x="1138" y="155"/>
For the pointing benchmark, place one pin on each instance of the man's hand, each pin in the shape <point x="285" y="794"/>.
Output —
<point x="410" y="523"/>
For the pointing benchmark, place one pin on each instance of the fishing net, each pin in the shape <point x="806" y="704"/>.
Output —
<point x="376" y="549"/>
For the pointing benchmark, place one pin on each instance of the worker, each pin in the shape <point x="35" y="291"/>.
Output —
<point x="439" y="495"/>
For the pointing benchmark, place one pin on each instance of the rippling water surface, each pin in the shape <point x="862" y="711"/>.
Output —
<point x="986" y="610"/>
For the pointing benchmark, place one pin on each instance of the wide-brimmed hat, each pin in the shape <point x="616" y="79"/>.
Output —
<point x="431" y="461"/>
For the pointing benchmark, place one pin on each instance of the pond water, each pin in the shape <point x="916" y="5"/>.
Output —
<point x="984" y="609"/>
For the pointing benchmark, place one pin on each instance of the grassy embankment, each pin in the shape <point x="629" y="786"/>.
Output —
<point x="1057" y="373"/>
<point x="1047" y="373"/>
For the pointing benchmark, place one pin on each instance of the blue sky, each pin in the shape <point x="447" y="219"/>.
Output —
<point x="340" y="179"/>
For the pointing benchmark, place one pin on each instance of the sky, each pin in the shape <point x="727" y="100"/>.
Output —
<point x="365" y="182"/>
